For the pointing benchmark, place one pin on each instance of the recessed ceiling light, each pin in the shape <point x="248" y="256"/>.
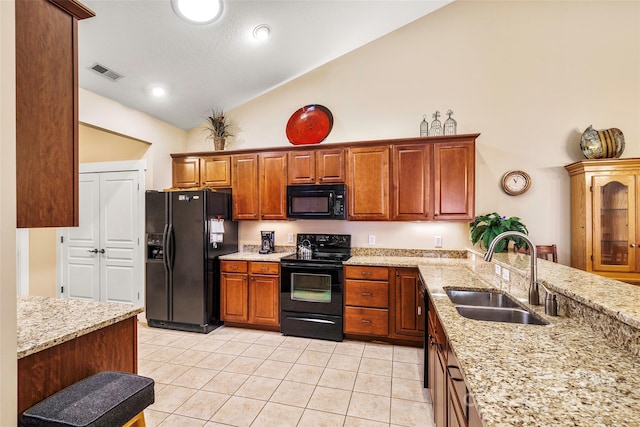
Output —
<point x="262" y="32"/>
<point x="198" y="11"/>
<point x="157" y="91"/>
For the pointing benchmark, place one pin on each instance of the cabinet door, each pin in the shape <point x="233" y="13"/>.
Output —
<point x="454" y="181"/>
<point x="215" y="171"/>
<point x="614" y="223"/>
<point x="411" y="180"/>
<point x="273" y="186"/>
<point x="186" y="172"/>
<point x="440" y="388"/>
<point x="408" y="305"/>
<point x="330" y="166"/>
<point x="46" y="43"/>
<point x="244" y="177"/>
<point x="234" y="297"/>
<point x="301" y="167"/>
<point x="264" y="300"/>
<point x="368" y="183"/>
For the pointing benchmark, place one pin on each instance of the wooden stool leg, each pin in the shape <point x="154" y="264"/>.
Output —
<point x="137" y="421"/>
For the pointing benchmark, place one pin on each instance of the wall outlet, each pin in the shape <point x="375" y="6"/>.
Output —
<point x="505" y="274"/>
<point x="290" y="238"/>
<point x="497" y="268"/>
<point x="438" y="241"/>
<point x="372" y="239"/>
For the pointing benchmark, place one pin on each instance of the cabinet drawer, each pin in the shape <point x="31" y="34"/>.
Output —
<point x="366" y="321"/>
<point x="367" y="293"/>
<point x="233" y="266"/>
<point x="264" y="268"/>
<point x="366" y="272"/>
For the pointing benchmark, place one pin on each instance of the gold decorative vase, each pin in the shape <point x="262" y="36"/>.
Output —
<point x="218" y="143"/>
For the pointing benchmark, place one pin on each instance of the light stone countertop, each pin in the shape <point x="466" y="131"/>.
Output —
<point x="562" y="374"/>
<point x="45" y="322"/>
<point x="254" y="256"/>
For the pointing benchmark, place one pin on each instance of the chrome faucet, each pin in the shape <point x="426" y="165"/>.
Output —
<point x="550" y="303"/>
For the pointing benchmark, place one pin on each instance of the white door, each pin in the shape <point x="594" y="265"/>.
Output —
<point x="99" y="257"/>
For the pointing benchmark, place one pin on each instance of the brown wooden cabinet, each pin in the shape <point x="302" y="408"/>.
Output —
<point x="244" y="178"/>
<point x="206" y="171"/>
<point x="412" y="192"/>
<point x="454" y="180"/>
<point x="185" y="172"/>
<point x="453" y="405"/>
<point x="266" y="200"/>
<point x="366" y="300"/>
<point x="47" y="163"/>
<point x="250" y="293"/>
<point x="408" y="305"/>
<point x="605" y="213"/>
<point x="316" y="166"/>
<point x="215" y="171"/>
<point x="273" y="186"/>
<point x="368" y="183"/>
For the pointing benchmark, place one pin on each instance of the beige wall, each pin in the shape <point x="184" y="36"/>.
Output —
<point x="529" y="76"/>
<point x="95" y="145"/>
<point x="8" y="362"/>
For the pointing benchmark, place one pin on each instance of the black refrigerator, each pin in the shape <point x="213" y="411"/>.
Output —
<point x="186" y="232"/>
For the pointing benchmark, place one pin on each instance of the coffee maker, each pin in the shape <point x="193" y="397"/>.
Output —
<point x="267" y="239"/>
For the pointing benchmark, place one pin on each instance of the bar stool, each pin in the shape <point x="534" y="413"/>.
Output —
<point x="543" y="252"/>
<point x="106" y="399"/>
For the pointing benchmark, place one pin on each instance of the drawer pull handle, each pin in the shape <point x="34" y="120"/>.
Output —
<point x="234" y="267"/>
<point x="366" y="273"/>
<point x="365" y="321"/>
<point x="264" y="268"/>
<point x="367" y="294"/>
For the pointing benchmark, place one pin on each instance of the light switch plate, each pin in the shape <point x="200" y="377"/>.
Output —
<point x="505" y="274"/>
<point x="290" y="238"/>
<point x="438" y="242"/>
<point x="497" y="269"/>
<point x="372" y="239"/>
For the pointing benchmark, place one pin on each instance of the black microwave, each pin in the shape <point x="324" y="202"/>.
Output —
<point x="320" y="201"/>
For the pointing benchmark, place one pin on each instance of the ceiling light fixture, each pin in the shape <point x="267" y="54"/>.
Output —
<point x="262" y="32"/>
<point x="198" y="11"/>
<point x="158" y="91"/>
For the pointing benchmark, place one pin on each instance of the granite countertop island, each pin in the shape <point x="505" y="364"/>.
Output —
<point x="45" y="322"/>
<point x="567" y="373"/>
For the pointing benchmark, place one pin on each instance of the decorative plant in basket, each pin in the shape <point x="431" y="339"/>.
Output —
<point x="485" y="228"/>
<point x="219" y="128"/>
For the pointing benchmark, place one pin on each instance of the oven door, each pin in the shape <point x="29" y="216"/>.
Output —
<point x="311" y="288"/>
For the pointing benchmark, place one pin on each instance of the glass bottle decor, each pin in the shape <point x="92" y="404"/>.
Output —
<point x="436" y="126"/>
<point x="450" y="125"/>
<point x="424" y="126"/>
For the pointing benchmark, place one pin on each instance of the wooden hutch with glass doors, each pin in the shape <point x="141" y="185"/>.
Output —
<point x="605" y="216"/>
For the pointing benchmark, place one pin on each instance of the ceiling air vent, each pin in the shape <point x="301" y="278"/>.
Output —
<point x="106" y="72"/>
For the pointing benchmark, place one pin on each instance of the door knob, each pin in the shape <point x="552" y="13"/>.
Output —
<point x="94" y="251"/>
<point x="101" y="251"/>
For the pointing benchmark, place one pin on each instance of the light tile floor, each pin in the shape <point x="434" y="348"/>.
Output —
<point x="243" y="377"/>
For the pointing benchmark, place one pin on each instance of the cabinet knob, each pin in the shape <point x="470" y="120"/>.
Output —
<point x="633" y="245"/>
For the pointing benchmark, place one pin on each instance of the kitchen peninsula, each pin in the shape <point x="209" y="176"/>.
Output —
<point x="63" y="341"/>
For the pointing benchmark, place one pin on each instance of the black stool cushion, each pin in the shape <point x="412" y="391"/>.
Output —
<point x="106" y="399"/>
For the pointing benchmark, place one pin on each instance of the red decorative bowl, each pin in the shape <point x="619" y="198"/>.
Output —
<point x="309" y="125"/>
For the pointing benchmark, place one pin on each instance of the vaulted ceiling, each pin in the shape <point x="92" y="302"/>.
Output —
<point x="221" y="65"/>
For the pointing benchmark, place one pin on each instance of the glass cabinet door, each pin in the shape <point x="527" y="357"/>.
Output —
<point x="614" y="228"/>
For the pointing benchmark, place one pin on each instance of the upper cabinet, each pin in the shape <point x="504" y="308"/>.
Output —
<point x="316" y="166"/>
<point x="368" y="183"/>
<point x="47" y="163"/>
<point x="267" y="199"/>
<point x="205" y="171"/>
<point x="409" y="179"/>
<point x="605" y="210"/>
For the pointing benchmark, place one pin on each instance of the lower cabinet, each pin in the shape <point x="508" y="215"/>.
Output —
<point x="383" y="302"/>
<point x="453" y="406"/>
<point x="250" y="292"/>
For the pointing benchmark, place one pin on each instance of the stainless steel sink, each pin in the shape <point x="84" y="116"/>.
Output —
<point x="498" y="314"/>
<point x="481" y="298"/>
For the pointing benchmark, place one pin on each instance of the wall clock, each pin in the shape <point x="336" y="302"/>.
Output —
<point x="515" y="183"/>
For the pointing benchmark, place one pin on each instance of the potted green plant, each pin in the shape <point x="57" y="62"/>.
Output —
<point x="485" y="228"/>
<point x="219" y="128"/>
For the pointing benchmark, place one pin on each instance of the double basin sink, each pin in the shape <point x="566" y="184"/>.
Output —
<point x="491" y="306"/>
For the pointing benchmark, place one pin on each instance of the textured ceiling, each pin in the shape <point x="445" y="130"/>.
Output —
<point x="221" y="65"/>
